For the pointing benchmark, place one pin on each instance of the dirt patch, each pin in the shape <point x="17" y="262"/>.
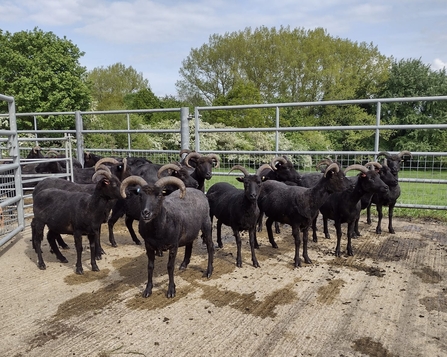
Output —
<point x="369" y="347"/>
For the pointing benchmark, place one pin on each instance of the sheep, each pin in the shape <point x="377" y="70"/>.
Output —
<point x="131" y="206"/>
<point x="237" y="208"/>
<point x="169" y="222"/>
<point x="76" y="213"/>
<point x="91" y="159"/>
<point x="201" y="166"/>
<point x="298" y="206"/>
<point x="345" y="206"/>
<point x="393" y="161"/>
<point x="118" y="168"/>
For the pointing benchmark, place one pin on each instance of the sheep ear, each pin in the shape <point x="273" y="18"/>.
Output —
<point x="240" y="179"/>
<point x="362" y="174"/>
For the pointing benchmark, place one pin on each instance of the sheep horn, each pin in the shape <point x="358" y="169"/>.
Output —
<point x="241" y="168"/>
<point x="262" y="168"/>
<point x="215" y="158"/>
<point x="52" y="152"/>
<point x="106" y="159"/>
<point x="384" y="153"/>
<point x="326" y="161"/>
<point x="104" y="167"/>
<point x="373" y="163"/>
<point x="277" y="159"/>
<point x="36" y="148"/>
<point x="131" y="180"/>
<point x="404" y="153"/>
<point x="167" y="167"/>
<point x="332" y="166"/>
<point x="191" y="155"/>
<point x="105" y="173"/>
<point x="184" y="151"/>
<point x="356" y="167"/>
<point x="171" y="180"/>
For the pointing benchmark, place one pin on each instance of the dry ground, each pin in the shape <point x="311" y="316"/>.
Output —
<point x="387" y="300"/>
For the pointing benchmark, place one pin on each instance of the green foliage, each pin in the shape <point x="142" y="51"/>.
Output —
<point x="412" y="78"/>
<point x="283" y="65"/>
<point x="112" y="86"/>
<point x="42" y="72"/>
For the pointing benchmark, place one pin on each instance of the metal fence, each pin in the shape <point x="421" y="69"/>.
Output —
<point x="422" y="173"/>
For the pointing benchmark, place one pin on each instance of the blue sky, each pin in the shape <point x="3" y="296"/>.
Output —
<point x="154" y="37"/>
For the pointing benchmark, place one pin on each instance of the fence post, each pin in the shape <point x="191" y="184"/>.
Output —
<point x="377" y="137"/>
<point x="79" y="137"/>
<point x="184" y="127"/>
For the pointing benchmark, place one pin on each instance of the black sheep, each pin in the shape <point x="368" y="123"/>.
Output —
<point x="298" y="206"/>
<point x="169" y="222"/>
<point x="237" y="208"/>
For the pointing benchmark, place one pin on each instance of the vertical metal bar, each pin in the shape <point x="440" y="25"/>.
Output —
<point x="70" y="156"/>
<point x="35" y="129"/>
<point x="196" y="130"/>
<point x="184" y="127"/>
<point x="128" y="134"/>
<point x="79" y="137"/>
<point x="277" y="132"/>
<point x="377" y="135"/>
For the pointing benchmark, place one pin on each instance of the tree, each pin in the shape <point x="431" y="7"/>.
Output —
<point x="413" y="78"/>
<point x="42" y="72"/>
<point x="112" y="86"/>
<point x="283" y="65"/>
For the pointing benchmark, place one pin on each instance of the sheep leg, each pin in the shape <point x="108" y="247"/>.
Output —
<point x="305" y="242"/>
<point x="296" y="236"/>
<point x="277" y="229"/>
<point x="78" y="244"/>
<point x="252" y="237"/>
<point x="187" y="257"/>
<point x="356" y="227"/>
<point x="219" y="234"/>
<point x="314" y="230"/>
<point x="171" y="263"/>
<point x="150" y="270"/>
<point x="325" y="228"/>
<point x="268" y="224"/>
<point x="390" y="218"/>
<point x="207" y="238"/>
<point x="339" y="234"/>
<point x="368" y="214"/>
<point x="117" y="212"/>
<point x="379" y="220"/>
<point x="351" y="234"/>
<point x="239" y="247"/>
<point x="61" y="242"/>
<point x="129" y="226"/>
<point x="260" y="217"/>
<point x="94" y="242"/>
<point x="52" y="238"/>
<point x="37" y="237"/>
<point x="98" y="249"/>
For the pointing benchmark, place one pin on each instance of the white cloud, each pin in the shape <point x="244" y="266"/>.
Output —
<point x="438" y="64"/>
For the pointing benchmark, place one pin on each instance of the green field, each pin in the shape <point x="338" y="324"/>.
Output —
<point x="432" y="194"/>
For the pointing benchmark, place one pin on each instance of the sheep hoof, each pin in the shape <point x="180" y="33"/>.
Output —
<point x="137" y="242"/>
<point x="147" y="293"/>
<point x="209" y="273"/>
<point x="171" y="292"/>
<point x="239" y="264"/>
<point x="65" y="246"/>
<point x="256" y="265"/>
<point x="392" y="231"/>
<point x="95" y="268"/>
<point x="63" y="259"/>
<point x="79" y="271"/>
<point x="114" y="245"/>
<point x="42" y="266"/>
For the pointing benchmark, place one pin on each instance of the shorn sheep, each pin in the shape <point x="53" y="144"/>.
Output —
<point x="237" y="208"/>
<point x="298" y="206"/>
<point x="76" y="213"/>
<point x="169" y="222"/>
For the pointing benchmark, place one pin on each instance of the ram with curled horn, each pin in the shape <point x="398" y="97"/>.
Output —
<point x="393" y="161"/>
<point x="169" y="222"/>
<point x="237" y="208"/>
<point x="200" y="166"/>
<point x="345" y="207"/>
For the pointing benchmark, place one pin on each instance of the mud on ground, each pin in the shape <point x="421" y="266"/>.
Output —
<point x="389" y="299"/>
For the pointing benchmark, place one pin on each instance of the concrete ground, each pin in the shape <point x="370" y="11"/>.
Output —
<point x="389" y="299"/>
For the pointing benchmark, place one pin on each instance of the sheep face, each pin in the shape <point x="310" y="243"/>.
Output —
<point x="252" y="186"/>
<point x="388" y="177"/>
<point x="151" y="199"/>
<point x="336" y="181"/>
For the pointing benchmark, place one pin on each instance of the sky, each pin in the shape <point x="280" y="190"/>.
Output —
<point x="154" y="37"/>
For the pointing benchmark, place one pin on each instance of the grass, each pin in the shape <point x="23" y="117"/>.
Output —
<point x="432" y="194"/>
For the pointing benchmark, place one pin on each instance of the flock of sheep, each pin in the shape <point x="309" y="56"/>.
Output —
<point x="172" y="208"/>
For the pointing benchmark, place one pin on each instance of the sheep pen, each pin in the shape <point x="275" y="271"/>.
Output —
<point x="388" y="299"/>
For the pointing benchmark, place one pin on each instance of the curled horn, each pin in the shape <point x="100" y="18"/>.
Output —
<point x="167" y="167"/>
<point x="106" y="159"/>
<point x="171" y="180"/>
<point x="191" y="155"/>
<point x="105" y="168"/>
<point x="184" y="151"/>
<point x="131" y="180"/>
<point x="215" y="158"/>
<point x="277" y="159"/>
<point x="373" y="163"/>
<point x="262" y="168"/>
<point x="384" y="153"/>
<point x="332" y="166"/>
<point x="241" y="168"/>
<point x="105" y="173"/>
<point x="326" y="161"/>
<point x="356" y="167"/>
<point x="52" y="153"/>
<point x="36" y="148"/>
<point x="404" y="153"/>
